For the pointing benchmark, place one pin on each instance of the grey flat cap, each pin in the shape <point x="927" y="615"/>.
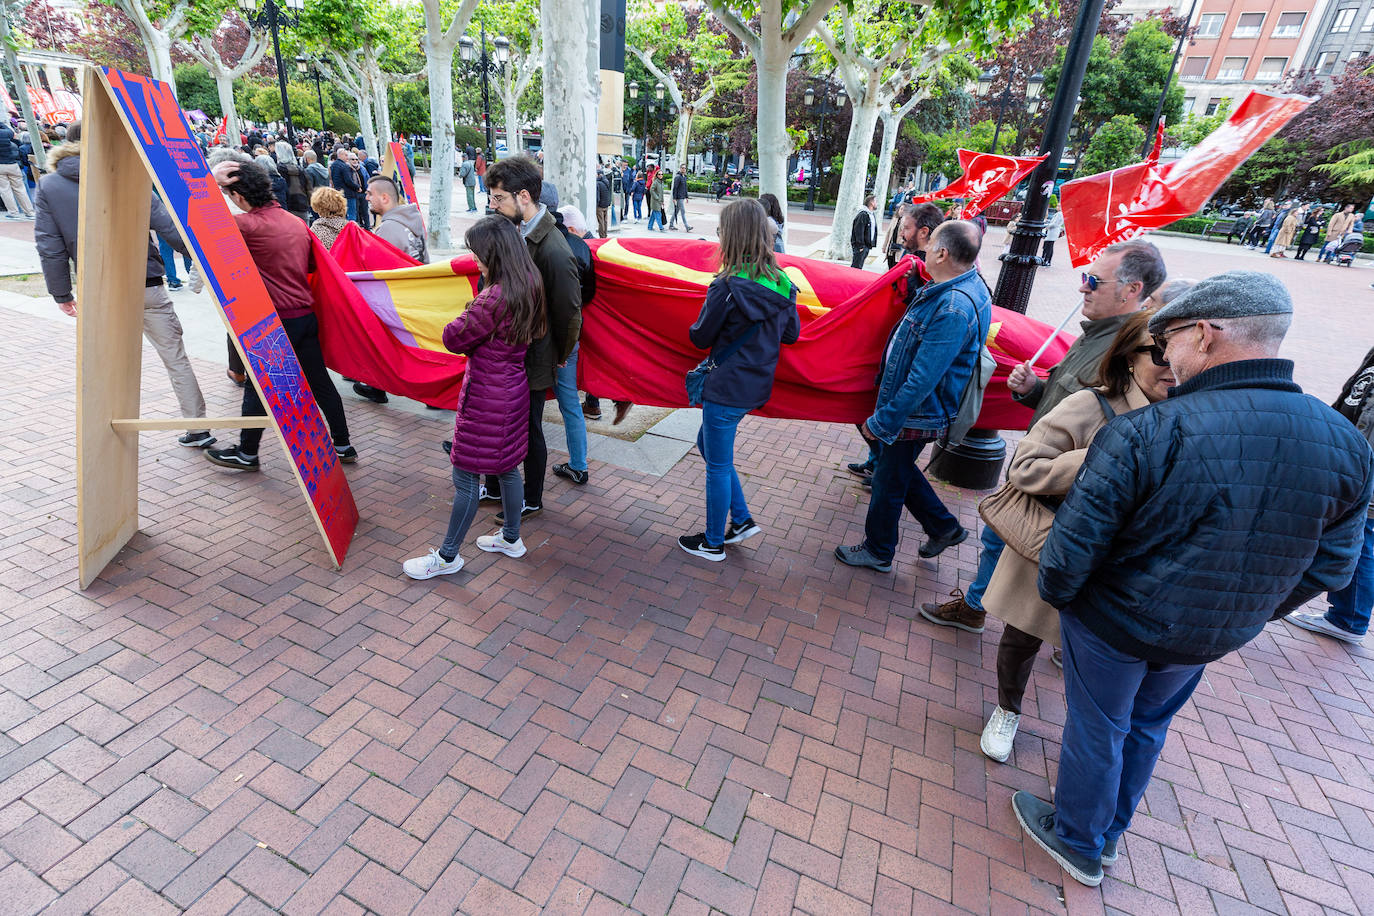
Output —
<point x="1234" y="294"/>
<point x="548" y="195"/>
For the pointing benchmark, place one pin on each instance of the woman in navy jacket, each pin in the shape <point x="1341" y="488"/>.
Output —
<point x="750" y="311"/>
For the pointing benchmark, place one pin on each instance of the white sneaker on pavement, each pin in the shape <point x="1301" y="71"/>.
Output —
<point x="431" y="565"/>
<point x="497" y="543"/>
<point x="999" y="733"/>
<point x="1318" y="623"/>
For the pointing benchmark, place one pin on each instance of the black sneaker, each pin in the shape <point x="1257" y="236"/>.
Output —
<point x="566" y="470"/>
<point x="861" y="468"/>
<point x="696" y="545"/>
<point x="741" y="531"/>
<point x="448" y="446"/>
<point x="1110" y="853"/>
<point x="375" y="395"/>
<point x="858" y="555"/>
<point x="936" y="546"/>
<point x="1037" y="819"/>
<point x="525" y="513"/>
<point x="201" y="439"/>
<point x="231" y="457"/>
<point x="346" y="454"/>
<point x="173" y="284"/>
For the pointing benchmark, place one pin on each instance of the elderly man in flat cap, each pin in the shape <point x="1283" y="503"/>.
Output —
<point x="1193" y="523"/>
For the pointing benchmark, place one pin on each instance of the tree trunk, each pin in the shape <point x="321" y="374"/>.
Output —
<point x="774" y="145"/>
<point x="365" y="122"/>
<point x="569" y="101"/>
<point x="510" y="106"/>
<point x="382" y="113"/>
<point x="684" y="133"/>
<point x="224" y="85"/>
<point x="440" y="66"/>
<point x="885" y="152"/>
<point x="855" y="175"/>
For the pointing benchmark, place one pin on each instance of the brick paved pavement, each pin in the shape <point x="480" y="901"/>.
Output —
<point x="222" y="723"/>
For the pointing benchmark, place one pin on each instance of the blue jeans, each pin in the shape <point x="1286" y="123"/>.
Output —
<point x="897" y="481"/>
<point x="1119" y="713"/>
<point x="987" y="562"/>
<point x="655" y="216"/>
<point x="716" y="442"/>
<point x="169" y="261"/>
<point x="1273" y="234"/>
<point x="574" y="425"/>
<point x="1351" y="605"/>
<point x="465" y="487"/>
<point x="638" y="202"/>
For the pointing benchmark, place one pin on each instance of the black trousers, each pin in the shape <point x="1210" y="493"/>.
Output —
<point x="536" y="459"/>
<point x="1015" y="659"/>
<point x="1047" y="252"/>
<point x="1303" y="248"/>
<point x="304" y="334"/>
<point x="860" y="255"/>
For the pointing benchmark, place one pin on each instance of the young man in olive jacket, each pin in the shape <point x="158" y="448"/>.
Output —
<point x="1185" y="533"/>
<point x="513" y="189"/>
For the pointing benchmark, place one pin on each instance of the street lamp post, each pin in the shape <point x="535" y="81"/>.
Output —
<point x="488" y="65"/>
<point x="307" y="67"/>
<point x="274" y="17"/>
<point x="825" y="108"/>
<point x="651" y="105"/>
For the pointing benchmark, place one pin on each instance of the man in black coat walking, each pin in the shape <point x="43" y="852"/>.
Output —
<point x="863" y="235"/>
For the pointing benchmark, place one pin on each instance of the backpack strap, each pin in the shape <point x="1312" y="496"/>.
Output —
<point x="1106" y="405"/>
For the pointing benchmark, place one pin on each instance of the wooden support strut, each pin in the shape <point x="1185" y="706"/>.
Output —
<point x="172" y="423"/>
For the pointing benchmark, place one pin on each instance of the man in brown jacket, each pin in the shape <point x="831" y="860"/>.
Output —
<point x="1336" y="228"/>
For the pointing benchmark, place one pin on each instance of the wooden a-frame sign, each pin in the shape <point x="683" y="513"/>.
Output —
<point x="133" y="137"/>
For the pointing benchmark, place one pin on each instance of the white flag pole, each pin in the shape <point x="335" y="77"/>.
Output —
<point x="1048" y="340"/>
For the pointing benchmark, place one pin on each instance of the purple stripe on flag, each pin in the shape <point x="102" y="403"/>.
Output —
<point x="378" y="297"/>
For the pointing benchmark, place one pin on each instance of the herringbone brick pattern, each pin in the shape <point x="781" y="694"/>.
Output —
<point x="222" y="723"/>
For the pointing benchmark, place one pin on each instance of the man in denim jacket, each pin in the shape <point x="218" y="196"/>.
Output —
<point x="927" y="363"/>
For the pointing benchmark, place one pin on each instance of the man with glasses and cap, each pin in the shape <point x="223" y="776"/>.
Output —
<point x="1186" y="531"/>
<point x="1114" y="286"/>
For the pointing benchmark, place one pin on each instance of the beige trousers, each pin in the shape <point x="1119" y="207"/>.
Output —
<point x="163" y="330"/>
<point x="12" y="189"/>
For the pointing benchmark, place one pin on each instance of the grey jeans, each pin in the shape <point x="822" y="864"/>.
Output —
<point x="163" y="330"/>
<point x="465" y="496"/>
<point x="679" y="206"/>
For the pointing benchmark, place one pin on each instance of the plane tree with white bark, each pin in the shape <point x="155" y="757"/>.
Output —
<point x="229" y="52"/>
<point x="445" y="23"/>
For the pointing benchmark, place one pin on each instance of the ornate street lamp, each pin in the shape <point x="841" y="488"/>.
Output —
<point x="477" y="59"/>
<point x="273" y="17"/>
<point x="824" y="108"/>
<point x="653" y="105"/>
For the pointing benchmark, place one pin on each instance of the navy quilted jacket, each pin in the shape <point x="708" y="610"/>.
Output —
<point x="1196" y="520"/>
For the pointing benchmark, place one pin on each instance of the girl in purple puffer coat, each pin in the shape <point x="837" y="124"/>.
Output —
<point x="491" y="431"/>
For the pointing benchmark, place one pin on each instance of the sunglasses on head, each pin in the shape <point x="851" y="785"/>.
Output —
<point x="1093" y="282"/>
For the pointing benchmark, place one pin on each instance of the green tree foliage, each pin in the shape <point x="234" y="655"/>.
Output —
<point x="1196" y="127"/>
<point x="305" y="109"/>
<point x="1117" y="143"/>
<point x="409" y="108"/>
<point x="1355" y="171"/>
<point x="196" y="89"/>
<point x="941" y="150"/>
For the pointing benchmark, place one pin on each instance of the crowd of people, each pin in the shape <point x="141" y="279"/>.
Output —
<point x="1294" y="224"/>
<point x="1150" y="523"/>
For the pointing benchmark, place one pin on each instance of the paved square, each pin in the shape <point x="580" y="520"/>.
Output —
<point x="222" y="723"/>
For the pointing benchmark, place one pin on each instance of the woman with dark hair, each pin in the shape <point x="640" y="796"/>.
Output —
<point x="749" y="312"/>
<point x="1131" y="375"/>
<point x="1311" y="232"/>
<point x="278" y="182"/>
<point x="637" y="195"/>
<point x="491" y="430"/>
<point x="775" y="220"/>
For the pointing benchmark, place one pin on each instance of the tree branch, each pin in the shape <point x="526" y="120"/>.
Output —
<point x="806" y="24"/>
<point x="735" y="26"/>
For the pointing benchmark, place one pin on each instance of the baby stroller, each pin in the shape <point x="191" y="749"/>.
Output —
<point x="1350" y="245"/>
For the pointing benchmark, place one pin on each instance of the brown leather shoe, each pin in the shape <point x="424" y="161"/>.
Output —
<point x="956" y="613"/>
<point x="622" y="410"/>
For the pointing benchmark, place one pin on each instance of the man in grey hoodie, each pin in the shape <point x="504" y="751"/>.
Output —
<point x="398" y="223"/>
<point x="55" y="236"/>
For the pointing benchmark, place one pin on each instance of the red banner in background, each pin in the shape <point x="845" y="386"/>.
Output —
<point x="1110" y="207"/>
<point x="987" y="177"/>
<point x="401" y="172"/>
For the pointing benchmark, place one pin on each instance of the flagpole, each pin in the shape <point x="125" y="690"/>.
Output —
<point x="1053" y="334"/>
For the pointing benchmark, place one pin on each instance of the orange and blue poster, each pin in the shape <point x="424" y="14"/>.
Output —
<point x="176" y="165"/>
<point x="400" y="172"/>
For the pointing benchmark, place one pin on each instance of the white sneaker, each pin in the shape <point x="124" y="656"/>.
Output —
<point x="1318" y="623"/>
<point x="431" y="565"/>
<point x="497" y="543"/>
<point x="999" y="733"/>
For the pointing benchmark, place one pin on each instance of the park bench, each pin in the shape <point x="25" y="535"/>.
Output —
<point x="1220" y="227"/>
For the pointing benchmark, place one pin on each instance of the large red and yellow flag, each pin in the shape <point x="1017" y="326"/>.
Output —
<point x="382" y="322"/>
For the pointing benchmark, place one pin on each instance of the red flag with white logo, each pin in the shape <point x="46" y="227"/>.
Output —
<point x="986" y="178"/>
<point x="1094" y="207"/>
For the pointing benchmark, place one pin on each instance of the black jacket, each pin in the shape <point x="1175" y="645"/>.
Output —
<point x="9" y="145"/>
<point x="864" y="232"/>
<point x="679" y="186"/>
<point x="1197" y="520"/>
<point x="562" y="299"/>
<point x="603" y="193"/>
<point x="54" y="232"/>
<point x="732" y="306"/>
<point x="346" y="179"/>
<point x="583" y="254"/>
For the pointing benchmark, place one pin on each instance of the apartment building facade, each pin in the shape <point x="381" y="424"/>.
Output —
<point x="1345" y="32"/>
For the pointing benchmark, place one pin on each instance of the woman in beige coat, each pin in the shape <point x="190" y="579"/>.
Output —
<point x="1045" y="465"/>
<point x="1287" y="231"/>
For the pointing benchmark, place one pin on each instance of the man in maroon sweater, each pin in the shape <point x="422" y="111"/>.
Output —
<point x="281" y="248"/>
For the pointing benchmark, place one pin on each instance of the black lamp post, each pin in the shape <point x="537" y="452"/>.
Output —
<point x="651" y="105"/>
<point x="273" y="17"/>
<point x="488" y="65"/>
<point x="823" y="109"/>
<point x="307" y="67"/>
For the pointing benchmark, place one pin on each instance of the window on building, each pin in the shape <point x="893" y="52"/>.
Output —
<point x="1212" y="106"/>
<point x="1248" y="25"/>
<point x="1233" y="68"/>
<point x="1195" y="68"/>
<point x="1289" y="25"/>
<point x="1326" y="62"/>
<point x="1271" y="69"/>
<point x="1189" y="104"/>
<point x="1368" y="21"/>
<point x="1344" y="19"/>
<point x="1209" y="25"/>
